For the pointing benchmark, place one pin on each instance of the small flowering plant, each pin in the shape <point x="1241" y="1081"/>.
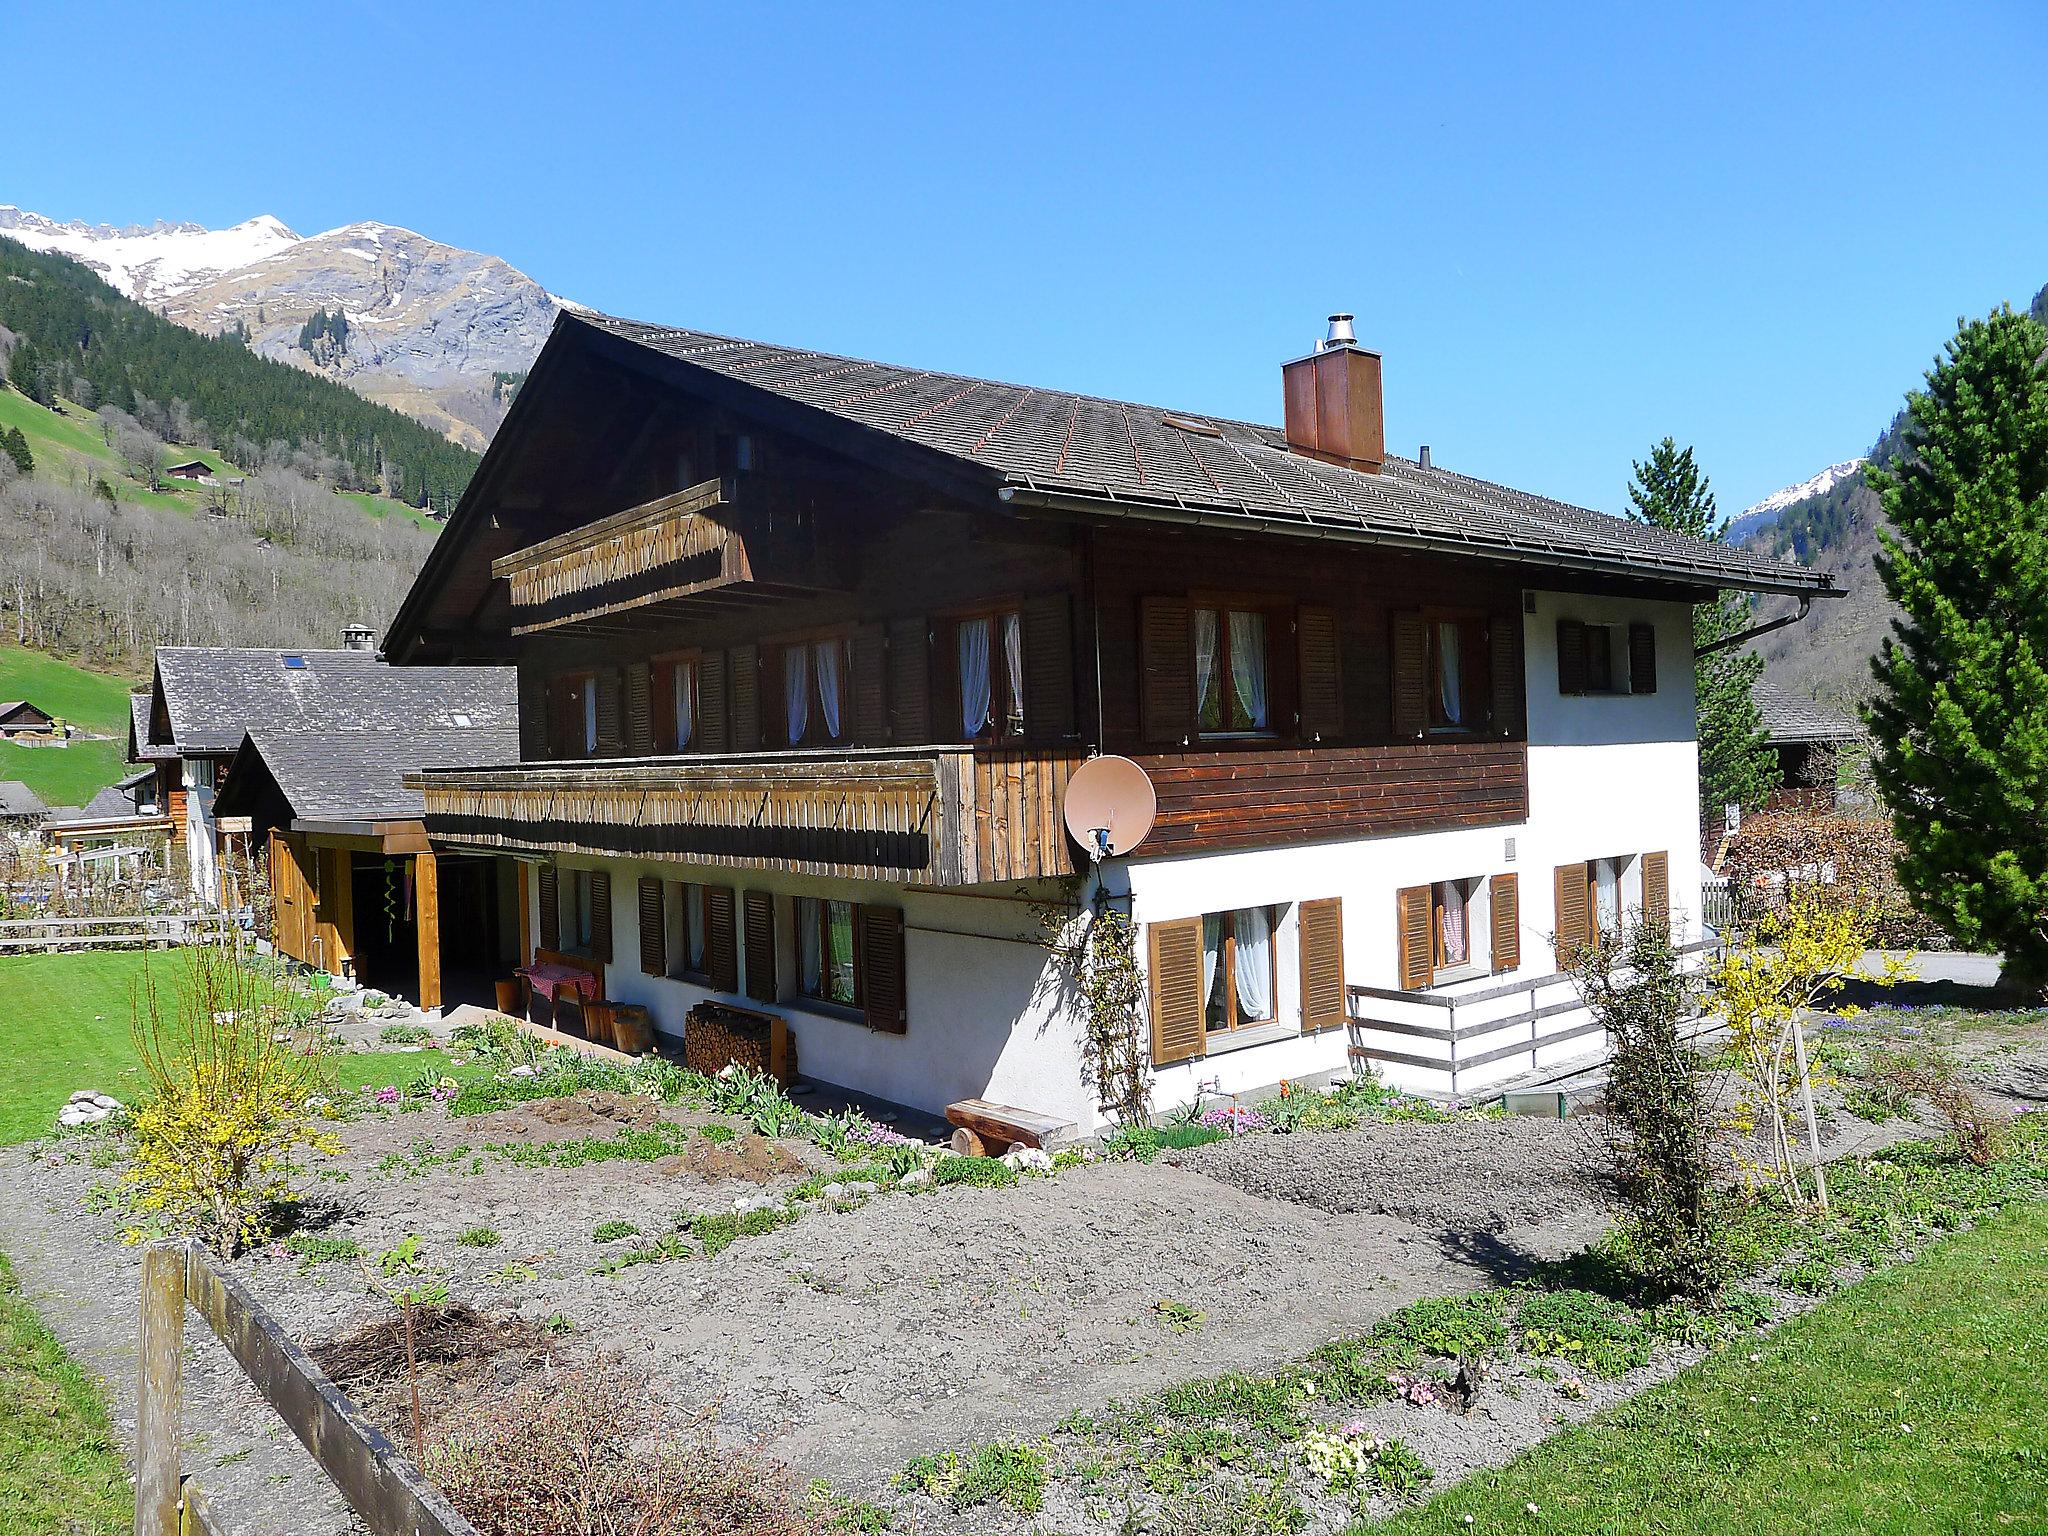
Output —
<point x="388" y="1094"/>
<point x="1349" y="1459"/>
<point x="1234" y="1118"/>
<point x="1418" y="1391"/>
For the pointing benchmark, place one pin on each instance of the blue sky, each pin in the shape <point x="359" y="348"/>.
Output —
<point x="1748" y="226"/>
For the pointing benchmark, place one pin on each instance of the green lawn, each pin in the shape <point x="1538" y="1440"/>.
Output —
<point x="1910" y="1403"/>
<point x="67" y="1021"/>
<point x="60" y="1470"/>
<point x="97" y="701"/>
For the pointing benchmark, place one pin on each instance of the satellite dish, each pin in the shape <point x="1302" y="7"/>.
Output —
<point x="1109" y="806"/>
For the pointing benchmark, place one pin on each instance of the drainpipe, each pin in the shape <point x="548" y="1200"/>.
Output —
<point x="1741" y="637"/>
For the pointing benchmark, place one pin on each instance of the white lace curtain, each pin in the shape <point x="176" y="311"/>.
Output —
<point x="1450" y="672"/>
<point x="1013" y="664"/>
<point x="974" y="679"/>
<point x="1450" y="902"/>
<point x="828" y="654"/>
<point x="1254" y="964"/>
<point x="1205" y="664"/>
<point x="1212" y="960"/>
<point x="1248" y="668"/>
<point x="809" y="961"/>
<point x="685" y="676"/>
<point x="796" y="691"/>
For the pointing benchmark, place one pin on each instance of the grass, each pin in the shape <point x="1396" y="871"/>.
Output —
<point x="67" y="1019"/>
<point x="1907" y="1403"/>
<point x="60" y="1469"/>
<point x="73" y="774"/>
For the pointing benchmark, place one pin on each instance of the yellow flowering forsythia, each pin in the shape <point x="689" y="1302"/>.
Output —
<point x="226" y="1111"/>
<point x="1791" y="959"/>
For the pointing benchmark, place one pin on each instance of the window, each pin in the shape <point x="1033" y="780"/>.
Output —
<point x="814" y="692"/>
<point x="675" y="704"/>
<point x="1238" y="980"/>
<point x="1452" y="930"/>
<point x="828" y="951"/>
<point x="686" y="932"/>
<point x="1599" y="658"/>
<point x="1455" y="931"/>
<point x="1230" y="670"/>
<point x="1606" y="658"/>
<point x="579" y="909"/>
<point x="572" y="715"/>
<point x="1460" y="678"/>
<point x="990" y="653"/>
<point x="1612" y="888"/>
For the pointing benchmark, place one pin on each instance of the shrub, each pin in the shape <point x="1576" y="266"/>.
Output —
<point x="226" y="1107"/>
<point x="479" y="1237"/>
<point x="1599" y="1335"/>
<point x="980" y="1172"/>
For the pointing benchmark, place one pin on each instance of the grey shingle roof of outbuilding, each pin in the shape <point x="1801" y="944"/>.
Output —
<point x="140" y="748"/>
<point x="1789" y="720"/>
<point x="17" y="799"/>
<point x="357" y="775"/>
<point x="1122" y="456"/>
<point x="215" y="696"/>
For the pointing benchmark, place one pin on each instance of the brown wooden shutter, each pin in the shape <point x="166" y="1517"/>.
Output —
<point x="910" y="687"/>
<point x="1574" y="920"/>
<point x="714" y="694"/>
<point x="1166" y="671"/>
<point x="1571" y="656"/>
<point x="1657" y="891"/>
<point x="611" y="727"/>
<point x="1504" y="635"/>
<point x="869" y="714"/>
<point x="601" y="916"/>
<point x="1175" y="973"/>
<point x="882" y="976"/>
<point x="653" y="928"/>
<point x="550" y="907"/>
<point x="721" y="947"/>
<point x="533" y="716"/>
<point x="661" y="707"/>
<point x="1410" y="675"/>
<point x="760" y="920"/>
<point x="1415" y="937"/>
<point x="1049" y="667"/>
<point x="945" y="673"/>
<point x="640" y="709"/>
<point x="1504" y="904"/>
<point x="1323" y="1001"/>
<point x="746" y="698"/>
<point x="1642" y="658"/>
<point x="1322" y="675"/>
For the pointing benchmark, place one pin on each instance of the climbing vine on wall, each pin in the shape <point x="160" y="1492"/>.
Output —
<point x="391" y="900"/>
<point x="1099" y="953"/>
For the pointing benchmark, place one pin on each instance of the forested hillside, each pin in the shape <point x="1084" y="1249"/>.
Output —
<point x="68" y="335"/>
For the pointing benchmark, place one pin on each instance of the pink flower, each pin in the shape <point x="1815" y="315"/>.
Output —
<point x="387" y="1095"/>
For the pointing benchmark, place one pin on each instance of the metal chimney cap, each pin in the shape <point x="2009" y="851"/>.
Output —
<point x="1341" y="334"/>
<point x="358" y="637"/>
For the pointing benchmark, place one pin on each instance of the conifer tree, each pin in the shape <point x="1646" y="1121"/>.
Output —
<point x="1736" y="766"/>
<point x="14" y="443"/>
<point x="1961" y="715"/>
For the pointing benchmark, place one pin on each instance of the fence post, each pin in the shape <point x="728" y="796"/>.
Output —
<point x="162" y="1390"/>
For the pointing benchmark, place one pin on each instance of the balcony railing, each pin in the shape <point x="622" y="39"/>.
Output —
<point x="941" y="816"/>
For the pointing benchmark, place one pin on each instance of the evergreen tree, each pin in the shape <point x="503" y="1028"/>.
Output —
<point x="1961" y="716"/>
<point x="1736" y="766"/>
<point x="25" y="370"/>
<point x="14" y="443"/>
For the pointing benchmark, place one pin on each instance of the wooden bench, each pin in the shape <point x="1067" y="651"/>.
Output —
<point x="983" y="1129"/>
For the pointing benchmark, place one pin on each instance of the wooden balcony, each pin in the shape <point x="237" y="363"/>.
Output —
<point x="937" y="816"/>
<point x="693" y="548"/>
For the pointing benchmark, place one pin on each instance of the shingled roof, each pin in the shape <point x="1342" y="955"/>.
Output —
<point x="358" y="775"/>
<point x="1790" y="720"/>
<point x="1115" y="456"/>
<point x="215" y="696"/>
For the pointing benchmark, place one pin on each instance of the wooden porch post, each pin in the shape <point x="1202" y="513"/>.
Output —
<point x="525" y="916"/>
<point x="161" y="1391"/>
<point x="426" y="895"/>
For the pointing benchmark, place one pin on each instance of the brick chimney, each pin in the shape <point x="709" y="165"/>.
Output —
<point x="1333" y="402"/>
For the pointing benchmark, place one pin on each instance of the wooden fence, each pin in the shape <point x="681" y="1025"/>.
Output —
<point x="387" y="1492"/>
<point x="18" y="935"/>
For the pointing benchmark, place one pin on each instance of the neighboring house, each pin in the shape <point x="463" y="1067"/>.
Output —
<point x="21" y="808"/>
<point x="1806" y="737"/>
<point x="118" y="834"/>
<point x="195" y="469"/>
<point x="18" y="717"/>
<point x="809" y="648"/>
<point x="355" y="889"/>
<point x="204" y="701"/>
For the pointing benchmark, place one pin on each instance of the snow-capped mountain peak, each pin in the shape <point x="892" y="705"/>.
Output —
<point x="1765" y="512"/>
<point x="151" y="262"/>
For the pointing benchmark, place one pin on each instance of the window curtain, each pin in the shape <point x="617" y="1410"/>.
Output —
<point x="809" y="962"/>
<point x="839" y="939"/>
<point x="1212" y="964"/>
<point x="1254" y="964"/>
<point x="974" y="677"/>
<point x="828" y="685"/>
<point x="693" y="926"/>
<point x="684" y="675"/>
<point x="1451" y="902"/>
<point x="1211" y="711"/>
<point x="590" y="716"/>
<point x="1013" y="665"/>
<point x="796" y="691"/>
<point x="1450" y="663"/>
<point x="1248" y="668"/>
<point x="1607" y="896"/>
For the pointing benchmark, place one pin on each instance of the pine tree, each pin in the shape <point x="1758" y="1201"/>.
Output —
<point x="25" y="370"/>
<point x="14" y="443"/>
<point x="1961" y="716"/>
<point x="1736" y="766"/>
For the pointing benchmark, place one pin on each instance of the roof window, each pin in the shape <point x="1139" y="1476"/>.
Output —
<point x="296" y="663"/>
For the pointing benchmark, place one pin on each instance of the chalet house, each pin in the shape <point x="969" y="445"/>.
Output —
<point x="808" y="649"/>
<point x="196" y="470"/>
<point x="22" y="810"/>
<point x="18" y="717"/>
<point x="1806" y="738"/>
<point x="206" y="703"/>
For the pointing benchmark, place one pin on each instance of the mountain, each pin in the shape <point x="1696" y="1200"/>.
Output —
<point x="1765" y="512"/>
<point x="437" y="332"/>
